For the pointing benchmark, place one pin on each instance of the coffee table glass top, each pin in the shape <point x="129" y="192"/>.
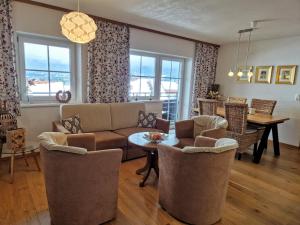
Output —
<point x="140" y="140"/>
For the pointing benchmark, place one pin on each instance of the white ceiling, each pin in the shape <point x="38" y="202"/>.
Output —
<point x="215" y="21"/>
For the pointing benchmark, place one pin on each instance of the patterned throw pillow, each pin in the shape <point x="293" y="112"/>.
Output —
<point x="72" y="124"/>
<point x="147" y="120"/>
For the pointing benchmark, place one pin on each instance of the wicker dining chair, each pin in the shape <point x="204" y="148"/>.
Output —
<point x="207" y="106"/>
<point x="237" y="100"/>
<point x="263" y="106"/>
<point x="236" y="115"/>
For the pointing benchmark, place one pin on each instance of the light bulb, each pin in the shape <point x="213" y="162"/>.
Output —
<point x="230" y="74"/>
<point x="250" y="74"/>
<point x="240" y="73"/>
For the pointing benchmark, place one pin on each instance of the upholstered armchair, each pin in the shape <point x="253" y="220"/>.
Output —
<point x="193" y="181"/>
<point x="204" y="125"/>
<point x="81" y="185"/>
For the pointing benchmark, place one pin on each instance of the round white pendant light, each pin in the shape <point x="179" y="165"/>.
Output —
<point x="231" y="73"/>
<point x="78" y="27"/>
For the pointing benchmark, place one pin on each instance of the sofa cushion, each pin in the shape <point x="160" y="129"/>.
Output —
<point x="108" y="140"/>
<point x="126" y="132"/>
<point x="72" y="124"/>
<point x="93" y="117"/>
<point x="146" y="119"/>
<point x="186" y="142"/>
<point x="124" y="115"/>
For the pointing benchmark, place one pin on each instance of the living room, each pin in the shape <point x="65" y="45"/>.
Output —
<point x="144" y="61"/>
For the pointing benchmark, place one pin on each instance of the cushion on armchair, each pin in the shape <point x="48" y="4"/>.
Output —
<point x="56" y="141"/>
<point x="221" y="145"/>
<point x="205" y="122"/>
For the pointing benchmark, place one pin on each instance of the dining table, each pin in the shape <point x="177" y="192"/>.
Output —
<point x="270" y="123"/>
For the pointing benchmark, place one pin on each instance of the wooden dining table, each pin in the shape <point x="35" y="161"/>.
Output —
<point x="270" y="122"/>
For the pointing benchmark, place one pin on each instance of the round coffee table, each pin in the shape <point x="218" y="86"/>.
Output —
<point x="150" y="148"/>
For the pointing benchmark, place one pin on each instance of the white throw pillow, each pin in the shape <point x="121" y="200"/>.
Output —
<point x="221" y="145"/>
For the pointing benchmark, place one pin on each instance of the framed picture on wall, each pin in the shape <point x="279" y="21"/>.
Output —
<point x="244" y="78"/>
<point x="286" y="74"/>
<point x="263" y="74"/>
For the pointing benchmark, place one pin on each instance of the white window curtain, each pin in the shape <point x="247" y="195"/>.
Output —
<point x="108" y="64"/>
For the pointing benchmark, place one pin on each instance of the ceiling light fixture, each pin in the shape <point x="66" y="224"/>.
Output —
<point x="78" y="27"/>
<point x="237" y="69"/>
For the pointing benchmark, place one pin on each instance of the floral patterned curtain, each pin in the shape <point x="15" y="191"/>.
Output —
<point x="205" y="64"/>
<point x="108" y="64"/>
<point x="8" y="76"/>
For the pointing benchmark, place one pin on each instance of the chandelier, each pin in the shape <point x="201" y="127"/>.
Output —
<point x="237" y="68"/>
<point x="78" y="27"/>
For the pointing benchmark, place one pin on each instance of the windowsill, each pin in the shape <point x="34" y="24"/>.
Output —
<point x="39" y="105"/>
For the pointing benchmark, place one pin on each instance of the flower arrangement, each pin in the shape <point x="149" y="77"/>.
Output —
<point x="155" y="137"/>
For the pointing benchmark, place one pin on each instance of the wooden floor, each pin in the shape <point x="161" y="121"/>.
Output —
<point x="264" y="194"/>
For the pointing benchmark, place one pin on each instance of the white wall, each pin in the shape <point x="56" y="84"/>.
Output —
<point x="39" y="20"/>
<point x="151" y="42"/>
<point x="284" y="51"/>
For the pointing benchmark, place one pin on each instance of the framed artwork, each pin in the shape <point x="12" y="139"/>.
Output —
<point x="286" y="74"/>
<point x="263" y="74"/>
<point x="244" y="78"/>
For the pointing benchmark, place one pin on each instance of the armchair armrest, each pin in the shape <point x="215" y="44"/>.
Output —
<point x="86" y="140"/>
<point x="58" y="127"/>
<point x="216" y="133"/>
<point x="201" y="141"/>
<point x="184" y="129"/>
<point x="163" y="125"/>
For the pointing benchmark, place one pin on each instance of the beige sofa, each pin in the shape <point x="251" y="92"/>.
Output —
<point x="111" y="123"/>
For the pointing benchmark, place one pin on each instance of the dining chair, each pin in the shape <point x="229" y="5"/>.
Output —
<point x="236" y="115"/>
<point x="263" y="106"/>
<point x="207" y="106"/>
<point x="240" y="100"/>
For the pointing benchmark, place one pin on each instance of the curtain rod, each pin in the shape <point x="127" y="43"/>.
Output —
<point x="116" y="22"/>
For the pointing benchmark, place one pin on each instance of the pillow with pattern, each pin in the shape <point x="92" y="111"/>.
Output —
<point x="147" y="120"/>
<point x="72" y="124"/>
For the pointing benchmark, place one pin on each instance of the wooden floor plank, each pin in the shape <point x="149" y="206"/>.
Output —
<point x="263" y="194"/>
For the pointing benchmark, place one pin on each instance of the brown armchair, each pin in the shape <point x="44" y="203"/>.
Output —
<point x="192" y="184"/>
<point x="81" y="185"/>
<point x="204" y="125"/>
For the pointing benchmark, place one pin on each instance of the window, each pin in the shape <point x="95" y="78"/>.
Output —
<point x="142" y="79"/>
<point x="46" y="66"/>
<point x="154" y="76"/>
<point x="170" y="88"/>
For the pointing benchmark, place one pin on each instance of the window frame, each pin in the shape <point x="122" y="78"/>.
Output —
<point x="145" y="54"/>
<point x="49" y="41"/>
<point x="181" y="79"/>
<point x="158" y="76"/>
